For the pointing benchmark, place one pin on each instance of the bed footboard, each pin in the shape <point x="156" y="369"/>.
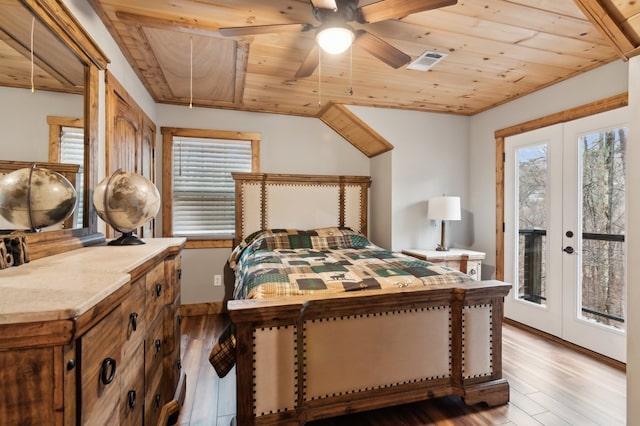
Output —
<point x="301" y="360"/>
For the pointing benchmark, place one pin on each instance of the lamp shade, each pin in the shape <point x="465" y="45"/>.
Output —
<point x="335" y="39"/>
<point x="444" y="208"/>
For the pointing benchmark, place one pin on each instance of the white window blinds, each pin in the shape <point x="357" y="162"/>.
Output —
<point x="72" y="152"/>
<point x="203" y="190"/>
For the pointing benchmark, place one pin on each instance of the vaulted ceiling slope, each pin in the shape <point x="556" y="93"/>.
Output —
<point x="497" y="50"/>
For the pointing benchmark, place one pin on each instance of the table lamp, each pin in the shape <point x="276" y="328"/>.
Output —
<point x="443" y="209"/>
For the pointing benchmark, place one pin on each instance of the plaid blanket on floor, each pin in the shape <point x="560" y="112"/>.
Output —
<point x="284" y="262"/>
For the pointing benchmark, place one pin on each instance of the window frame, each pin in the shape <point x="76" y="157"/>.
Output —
<point x="168" y="136"/>
<point x="56" y="125"/>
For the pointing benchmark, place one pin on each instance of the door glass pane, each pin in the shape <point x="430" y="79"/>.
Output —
<point x="532" y="164"/>
<point x="603" y="227"/>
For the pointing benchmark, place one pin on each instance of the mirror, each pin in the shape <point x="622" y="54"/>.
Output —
<point x="56" y="76"/>
<point x="56" y="55"/>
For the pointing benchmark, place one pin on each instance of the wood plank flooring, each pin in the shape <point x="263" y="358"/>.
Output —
<point x="550" y="385"/>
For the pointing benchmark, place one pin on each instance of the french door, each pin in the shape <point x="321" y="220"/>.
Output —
<point x="565" y="228"/>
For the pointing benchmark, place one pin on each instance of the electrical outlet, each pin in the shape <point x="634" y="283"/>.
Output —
<point x="217" y="280"/>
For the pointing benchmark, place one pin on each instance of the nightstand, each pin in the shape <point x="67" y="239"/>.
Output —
<point x="467" y="261"/>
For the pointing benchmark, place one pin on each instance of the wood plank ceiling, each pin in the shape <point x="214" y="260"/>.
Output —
<point x="497" y="51"/>
<point x="55" y="68"/>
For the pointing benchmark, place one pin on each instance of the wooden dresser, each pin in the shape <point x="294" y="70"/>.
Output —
<point x="92" y="336"/>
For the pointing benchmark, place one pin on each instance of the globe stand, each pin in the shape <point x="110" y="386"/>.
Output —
<point x="126" y="239"/>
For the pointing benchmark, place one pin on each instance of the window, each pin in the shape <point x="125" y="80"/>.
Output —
<point x="66" y="145"/>
<point x="197" y="182"/>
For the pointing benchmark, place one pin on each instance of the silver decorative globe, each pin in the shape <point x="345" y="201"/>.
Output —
<point x="34" y="198"/>
<point x="126" y="201"/>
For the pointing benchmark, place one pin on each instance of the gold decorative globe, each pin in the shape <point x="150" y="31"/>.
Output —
<point x="126" y="201"/>
<point x="34" y="198"/>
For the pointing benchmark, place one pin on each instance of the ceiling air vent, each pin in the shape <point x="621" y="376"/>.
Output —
<point x="425" y="61"/>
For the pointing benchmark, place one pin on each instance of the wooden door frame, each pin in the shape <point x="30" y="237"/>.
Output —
<point x="607" y="104"/>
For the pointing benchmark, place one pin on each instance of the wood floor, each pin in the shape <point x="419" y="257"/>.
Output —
<point x="550" y="385"/>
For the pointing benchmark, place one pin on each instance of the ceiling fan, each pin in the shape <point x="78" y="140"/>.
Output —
<point x="334" y="30"/>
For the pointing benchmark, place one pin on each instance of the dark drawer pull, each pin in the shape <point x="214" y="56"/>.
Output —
<point x="180" y="273"/>
<point x="157" y="344"/>
<point x="108" y="370"/>
<point x="179" y="320"/>
<point x="131" y="398"/>
<point x="133" y="318"/>
<point x="71" y="364"/>
<point x="179" y="364"/>
<point x="157" y="400"/>
<point x="158" y="289"/>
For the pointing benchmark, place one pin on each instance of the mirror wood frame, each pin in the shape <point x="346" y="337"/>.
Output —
<point x="55" y="15"/>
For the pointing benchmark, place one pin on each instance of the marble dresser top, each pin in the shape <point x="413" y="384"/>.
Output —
<point x="66" y="285"/>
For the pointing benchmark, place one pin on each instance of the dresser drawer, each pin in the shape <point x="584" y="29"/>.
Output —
<point x="154" y="396"/>
<point x="135" y="319"/>
<point x="132" y="386"/>
<point x="172" y="327"/>
<point x="100" y="363"/>
<point x="173" y="360"/>
<point x="173" y="267"/>
<point x="132" y="378"/>
<point x="31" y="370"/>
<point x="474" y="269"/>
<point x="156" y="291"/>
<point x="154" y="350"/>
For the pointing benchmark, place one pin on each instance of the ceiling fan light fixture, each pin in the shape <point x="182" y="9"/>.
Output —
<point x="335" y="39"/>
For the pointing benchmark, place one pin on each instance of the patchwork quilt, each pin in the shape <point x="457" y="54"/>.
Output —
<point x="284" y="262"/>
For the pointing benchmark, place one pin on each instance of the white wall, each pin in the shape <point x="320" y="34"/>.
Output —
<point x="633" y="248"/>
<point x="23" y="119"/>
<point x="380" y="201"/>
<point x="430" y="158"/>
<point x="605" y="81"/>
<point x="289" y="145"/>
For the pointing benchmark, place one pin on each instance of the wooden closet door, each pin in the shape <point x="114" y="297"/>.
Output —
<point x="130" y="141"/>
<point x="146" y="166"/>
<point x="121" y="152"/>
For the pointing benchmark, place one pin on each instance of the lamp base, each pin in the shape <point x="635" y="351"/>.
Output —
<point x="442" y="246"/>
<point x="126" y="239"/>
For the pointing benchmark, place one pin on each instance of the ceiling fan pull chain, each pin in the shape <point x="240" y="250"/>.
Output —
<point x="191" y="74"/>
<point x="33" y="24"/>
<point x="319" y="77"/>
<point x="350" y="91"/>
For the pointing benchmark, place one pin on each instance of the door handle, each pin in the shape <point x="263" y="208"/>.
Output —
<point x="568" y="249"/>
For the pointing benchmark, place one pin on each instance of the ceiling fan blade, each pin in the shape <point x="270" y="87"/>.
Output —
<point x="264" y="29"/>
<point x="396" y="9"/>
<point x="309" y="64"/>
<point x="324" y="4"/>
<point x="381" y="49"/>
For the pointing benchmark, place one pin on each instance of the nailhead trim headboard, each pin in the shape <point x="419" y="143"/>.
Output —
<point x="293" y="201"/>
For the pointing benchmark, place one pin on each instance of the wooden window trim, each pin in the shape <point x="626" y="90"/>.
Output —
<point x="168" y="134"/>
<point x="607" y="104"/>
<point x="55" y="129"/>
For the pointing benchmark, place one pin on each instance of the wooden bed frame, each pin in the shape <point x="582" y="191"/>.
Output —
<point x="304" y="358"/>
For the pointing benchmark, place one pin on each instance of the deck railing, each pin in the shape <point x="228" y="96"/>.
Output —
<point x="532" y="270"/>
